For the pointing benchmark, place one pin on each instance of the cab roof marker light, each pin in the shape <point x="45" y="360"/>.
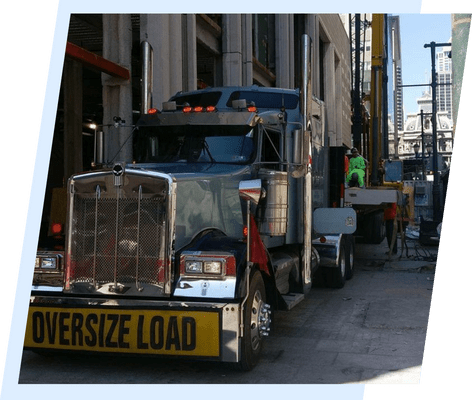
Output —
<point x="210" y="109"/>
<point x="153" y="111"/>
<point x="187" y="109"/>
<point x="198" y="109"/>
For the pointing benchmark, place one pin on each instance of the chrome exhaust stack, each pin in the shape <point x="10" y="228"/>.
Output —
<point x="146" y="77"/>
<point x="305" y="105"/>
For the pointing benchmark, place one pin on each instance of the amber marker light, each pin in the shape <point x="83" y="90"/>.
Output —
<point x="187" y="109"/>
<point x="152" y="111"/>
<point x="210" y="109"/>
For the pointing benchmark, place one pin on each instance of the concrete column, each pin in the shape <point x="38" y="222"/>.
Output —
<point x="246" y="31"/>
<point x="232" y="50"/>
<point x="164" y="33"/>
<point x="330" y="92"/>
<point x="72" y="118"/>
<point x="316" y="51"/>
<point x="284" y="51"/>
<point x="117" y="93"/>
<point x="189" y="33"/>
<point x="175" y="59"/>
<point x="338" y="101"/>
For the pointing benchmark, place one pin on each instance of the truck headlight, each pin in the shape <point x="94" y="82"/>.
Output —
<point x="48" y="263"/>
<point x="193" y="267"/>
<point x="205" y="264"/>
<point x="212" y="267"/>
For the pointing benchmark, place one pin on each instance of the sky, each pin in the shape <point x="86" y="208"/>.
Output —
<point x="416" y="30"/>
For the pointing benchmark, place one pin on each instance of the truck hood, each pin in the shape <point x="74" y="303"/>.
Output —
<point x="207" y="196"/>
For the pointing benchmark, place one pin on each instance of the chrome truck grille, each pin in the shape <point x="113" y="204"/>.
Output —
<point x="119" y="232"/>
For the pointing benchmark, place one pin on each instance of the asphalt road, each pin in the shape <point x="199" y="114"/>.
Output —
<point x="371" y="331"/>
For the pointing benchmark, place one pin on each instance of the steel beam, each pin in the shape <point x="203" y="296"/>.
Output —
<point x="95" y="61"/>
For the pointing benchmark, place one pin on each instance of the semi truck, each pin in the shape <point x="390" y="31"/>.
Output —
<point x="223" y="217"/>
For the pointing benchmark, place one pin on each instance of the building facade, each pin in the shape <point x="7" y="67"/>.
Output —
<point x="192" y="51"/>
<point x="189" y="51"/>
<point x="444" y="80"/>
<point x="418" y="134"/>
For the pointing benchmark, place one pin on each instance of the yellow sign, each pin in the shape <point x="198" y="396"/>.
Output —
<point x="143" y="331"/>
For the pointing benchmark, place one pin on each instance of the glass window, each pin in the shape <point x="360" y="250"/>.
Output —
<point x="265" y="100"/>
<point x="195" y="144"/>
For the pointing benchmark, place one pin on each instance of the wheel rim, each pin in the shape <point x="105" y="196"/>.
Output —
<point x="342" y="262"/>
<point x="260" y="320"/>
<point x="351" y="256"/>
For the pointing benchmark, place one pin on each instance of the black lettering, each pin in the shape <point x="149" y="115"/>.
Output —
<point x="37" y="320"/>
<point x="123" y="330"/>
<point x="91" y="340"/>
<point x="51" y="325"/>
<point x="76" y="329"/>
<point x="173" y="338"/>
<point x="101" y="330"/>
<point x="63" y="328"/>
<point x="157" y="341"/>
<point x="114" y="322"/>
<point x="141" y="344"/>
<point x="189" y="334"/>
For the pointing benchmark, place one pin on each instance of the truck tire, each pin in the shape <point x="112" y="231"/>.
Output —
<point x="349" y="244"/>
<point x="256" y="319"/>
<point x="336" y="276"/>
<point x="375" y="229"/>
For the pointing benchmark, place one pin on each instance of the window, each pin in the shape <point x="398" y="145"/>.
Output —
<point x="266" y="100"/>
<point x="195" y="144"/>
<point x="271" y="150"/>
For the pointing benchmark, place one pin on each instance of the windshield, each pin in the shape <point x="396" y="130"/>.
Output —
<point x="195" y="144"/>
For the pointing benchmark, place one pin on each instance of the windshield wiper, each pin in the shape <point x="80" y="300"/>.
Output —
<point x="207" y="149"/>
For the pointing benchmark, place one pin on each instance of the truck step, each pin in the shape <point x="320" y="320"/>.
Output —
<point x="292" y="299"/>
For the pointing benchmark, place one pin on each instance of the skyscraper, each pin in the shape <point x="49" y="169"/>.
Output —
<point x="444" y="80"/>
<point x="395" y="56"/>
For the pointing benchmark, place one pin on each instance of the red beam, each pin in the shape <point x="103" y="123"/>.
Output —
<point x="94" y="61"/>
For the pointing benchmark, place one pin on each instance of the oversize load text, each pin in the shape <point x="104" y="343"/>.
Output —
<point x="146" y="331"/>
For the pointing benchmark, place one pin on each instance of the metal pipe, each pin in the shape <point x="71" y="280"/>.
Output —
<point x="422" y="146"/>
<point x="357" y="119"/>
<point x="117" y="216"/>
<point x="436" y="190"/>
<point x="97" y="197"/>
<point x="375" y="124"/>
<point x="305" y="99"/>
<point x="248" y="267"/>
<point x="140" y="195"/>
<point x="99" y="148"/>
<point x="146" y="81"/>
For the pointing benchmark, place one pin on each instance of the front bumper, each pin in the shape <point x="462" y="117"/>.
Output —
<point x="121" y="326"/>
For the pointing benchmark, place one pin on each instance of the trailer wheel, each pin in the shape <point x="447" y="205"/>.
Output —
<point x="256" y="323"/>
<point x="336" y="277"/>
<point x="349" y="243"/>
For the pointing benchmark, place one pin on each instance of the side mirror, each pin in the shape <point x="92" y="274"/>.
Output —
<point x="251" y="190"/>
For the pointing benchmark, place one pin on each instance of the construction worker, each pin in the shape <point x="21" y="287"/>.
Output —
<point x="356" y="173"/>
